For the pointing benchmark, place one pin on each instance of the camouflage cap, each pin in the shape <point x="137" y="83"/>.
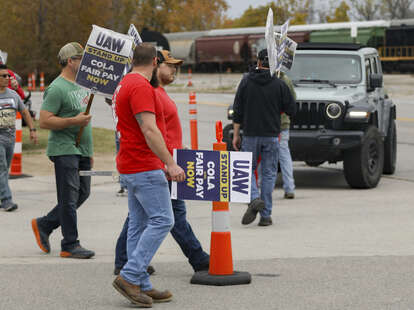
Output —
<point x="72" y="49"/>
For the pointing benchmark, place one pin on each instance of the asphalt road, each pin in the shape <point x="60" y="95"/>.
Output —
<point x="330" y="248"/>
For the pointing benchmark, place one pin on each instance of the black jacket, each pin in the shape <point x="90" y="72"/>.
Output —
<point x="259" y="101"/>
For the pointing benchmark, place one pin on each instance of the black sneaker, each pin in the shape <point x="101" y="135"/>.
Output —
<point x="77" y="252"/>
<point x="9" y="206"/>
<point x="290" y="195"/>
<point x="265" y="221"/>
<point x="42" y="238"/>
<point x="203" y="266"/>
<point x="150" y="270"/>
<point x="250" y="215"/>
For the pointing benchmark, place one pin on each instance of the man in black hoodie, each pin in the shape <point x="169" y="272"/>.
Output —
<point x="259" y="101"/>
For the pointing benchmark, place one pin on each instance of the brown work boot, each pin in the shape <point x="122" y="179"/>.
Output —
<point x="159" y="296"/>
<point x="132" y="292"/>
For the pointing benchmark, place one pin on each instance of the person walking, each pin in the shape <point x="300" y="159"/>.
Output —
<point x="62" y="112"/>
<point x="142" y="158"/>
<point x="182" y="231"/>
<point x="259" y="101"/>
<point x="10" y="103"/>
<point x="285" y="158"/>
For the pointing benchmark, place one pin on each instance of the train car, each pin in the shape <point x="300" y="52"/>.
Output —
<point x="182" y="46"/>
<point x="257" y="42"/>
<point x="236" y="48"/>
<point x="397" y="54"/>
<point x="221" y="53"/>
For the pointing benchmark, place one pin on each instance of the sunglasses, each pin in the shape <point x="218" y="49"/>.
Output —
<point x="5" y="76"/>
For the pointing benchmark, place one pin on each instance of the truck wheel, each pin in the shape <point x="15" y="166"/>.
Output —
<point x="228" y="136"/>
<point x="363" y="165"/>
<point x="390" y="149"/>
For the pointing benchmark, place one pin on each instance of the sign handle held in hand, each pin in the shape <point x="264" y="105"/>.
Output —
<point x="88" y="108"/>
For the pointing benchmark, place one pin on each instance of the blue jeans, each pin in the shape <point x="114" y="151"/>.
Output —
<point x="150" y="220"/>
<point x="6" y="156"/>
<point x="267" y="148"/>
<point x="285" y="160"/>
<point x="182" y="234"/>
<point x="72" y="191"/>
<point x="117" y="145"/>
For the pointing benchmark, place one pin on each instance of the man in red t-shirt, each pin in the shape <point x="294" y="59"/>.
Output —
<point x="182" y="231"/>
<point x="13" y="84"/>
<point x="142" y="158"/>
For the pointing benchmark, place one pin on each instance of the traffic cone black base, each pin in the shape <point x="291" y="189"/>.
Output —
<point x="237" y="278"/>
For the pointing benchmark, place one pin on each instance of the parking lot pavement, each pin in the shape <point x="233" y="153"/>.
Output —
<point x="330" y="248"/>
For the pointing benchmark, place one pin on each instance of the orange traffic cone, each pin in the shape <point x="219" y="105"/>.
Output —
<point x="29" y="82"/>
<point x="193" y="121"/>
<point x="42" y="81"/>
<point x="221" y="259"/>
<point x="16" y="164"/>
<point x="33" y="81"/>
<point x="189" y="84"/>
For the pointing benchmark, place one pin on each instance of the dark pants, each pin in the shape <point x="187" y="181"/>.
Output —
<point x="181" y="232"/>
<point x="72" y="190"/>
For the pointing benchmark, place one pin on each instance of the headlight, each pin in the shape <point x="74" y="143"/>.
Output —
<point x="333" y="110"/>
<point x="358" y="114"/>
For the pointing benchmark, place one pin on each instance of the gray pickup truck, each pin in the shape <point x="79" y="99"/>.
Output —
<point x="343" y="113"/>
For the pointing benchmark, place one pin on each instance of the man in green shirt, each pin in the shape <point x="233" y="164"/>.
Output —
<point x="62" y="112"/>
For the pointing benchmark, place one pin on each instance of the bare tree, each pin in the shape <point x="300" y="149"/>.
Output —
<point x="366" y="9"/>
<point x="404" y="8"/>
<point x="397" y="9"/>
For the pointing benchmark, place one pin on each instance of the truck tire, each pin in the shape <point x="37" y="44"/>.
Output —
<point x="390" y="149"/>
<point x="228" y="136"/>
<point x="363" y="165"/>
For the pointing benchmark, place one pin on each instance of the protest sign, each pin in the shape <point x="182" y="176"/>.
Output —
<point x="104" y="60"/>
<point x="270" y="42"/>
<point x="289" y="53"/>
<point x="134" y="34"/>
<point x="213" y="176"/>
<point x="281" y="45"/>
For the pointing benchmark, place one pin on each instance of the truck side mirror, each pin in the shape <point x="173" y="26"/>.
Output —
<point x="375" y="81"/>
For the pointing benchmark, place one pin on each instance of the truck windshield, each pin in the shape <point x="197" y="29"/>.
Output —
<point x="344" y="69"/>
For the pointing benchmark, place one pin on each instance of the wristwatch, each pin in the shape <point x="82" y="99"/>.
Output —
<point x="32" y="129"/>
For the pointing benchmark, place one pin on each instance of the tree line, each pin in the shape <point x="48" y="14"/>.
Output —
<point x="32" y="31"/>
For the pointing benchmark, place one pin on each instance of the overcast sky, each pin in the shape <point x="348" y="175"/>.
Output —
<point x="237" y="7"/>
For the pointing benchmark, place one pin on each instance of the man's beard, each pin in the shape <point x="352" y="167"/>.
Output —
<point x="154" y="80"/>
<point x="166" y="79"/>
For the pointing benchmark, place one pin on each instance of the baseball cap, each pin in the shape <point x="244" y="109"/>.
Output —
<point x="165" y="56"/>
<point x="263" y="57"/>
<point x="72" y="49"/>
<point x="263" y="54"/>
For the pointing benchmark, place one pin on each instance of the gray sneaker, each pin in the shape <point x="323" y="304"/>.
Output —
<point x="77" y="252"/>
<point x="250" y="215"/>
<point x="9" y="206"/>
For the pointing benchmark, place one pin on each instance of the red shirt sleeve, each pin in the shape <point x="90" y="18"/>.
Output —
<point x="19" y="90"/>
<point x="142" y="99"/>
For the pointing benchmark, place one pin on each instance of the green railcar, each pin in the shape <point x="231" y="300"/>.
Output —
<point x="372" y="37"/>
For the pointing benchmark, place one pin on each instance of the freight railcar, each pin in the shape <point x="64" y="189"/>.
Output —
<point x="236" y="49"/>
